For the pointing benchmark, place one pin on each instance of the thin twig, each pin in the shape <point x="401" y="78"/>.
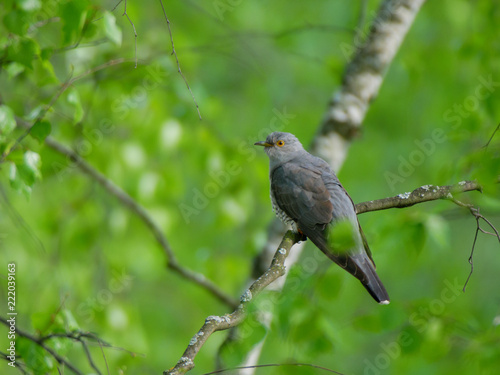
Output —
<point x="491" y="138"/>
<point x="78" y="335"/>
<point x="471" y="256"/>
<point x="177" y="60"/>
<point x="133" y="27"/>
<point x="116" y="6"/>
<point x="98" y="68"/>
<point x="104" y="356"/>
<point x="89" y="356"/>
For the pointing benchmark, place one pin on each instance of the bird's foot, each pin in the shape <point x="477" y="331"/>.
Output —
<point x="302" y="236"/>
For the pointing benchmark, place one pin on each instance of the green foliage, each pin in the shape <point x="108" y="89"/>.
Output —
<point x="7" y="121"/>
<point x="73" y="14"/>
<point x="113" y="32"/>
<point x="40" y="130"/>
<point x="85" y="262"/>
<point x="341" y="237"/>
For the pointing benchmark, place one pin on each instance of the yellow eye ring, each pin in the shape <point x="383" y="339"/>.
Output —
<point x="280" y="143"/>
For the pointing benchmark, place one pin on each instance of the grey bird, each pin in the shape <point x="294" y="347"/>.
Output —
<point x="306" y="194"/>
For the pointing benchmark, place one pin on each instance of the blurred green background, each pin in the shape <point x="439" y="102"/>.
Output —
<point x="84" y="261"/>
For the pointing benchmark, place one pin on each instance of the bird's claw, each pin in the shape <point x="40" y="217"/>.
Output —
<point x="302" y="236"/>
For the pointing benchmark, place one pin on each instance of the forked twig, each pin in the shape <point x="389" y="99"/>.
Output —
<point x="478" y="216"/>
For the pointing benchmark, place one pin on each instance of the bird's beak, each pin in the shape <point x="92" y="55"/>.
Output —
<point x="263" y="143"/>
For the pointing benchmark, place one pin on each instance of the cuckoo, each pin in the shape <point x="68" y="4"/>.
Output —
<point x="307" y="195"/>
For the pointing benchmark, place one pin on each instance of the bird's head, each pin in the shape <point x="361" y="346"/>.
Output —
<point x="281" y="147"/>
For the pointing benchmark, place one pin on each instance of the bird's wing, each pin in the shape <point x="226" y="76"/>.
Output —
<point x="301" y="193"/>
<point x="343" y="206"/>
<point x="313" y="197"/>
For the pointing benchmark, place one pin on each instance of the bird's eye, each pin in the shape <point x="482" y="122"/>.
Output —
<point x="280" y="143"/>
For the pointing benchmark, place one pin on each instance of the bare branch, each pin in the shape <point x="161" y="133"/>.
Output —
<point x="422" y="194"/>
<point x="177" y="59"/>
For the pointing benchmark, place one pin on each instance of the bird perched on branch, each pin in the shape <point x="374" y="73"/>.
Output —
<point x="307" y="195"/>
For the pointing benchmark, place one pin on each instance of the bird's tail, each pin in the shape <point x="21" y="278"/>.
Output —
<point x="369" y="278"/>
<point x="358" y="264"/>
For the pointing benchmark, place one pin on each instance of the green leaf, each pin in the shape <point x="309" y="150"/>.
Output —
<point x="44" y="73"/>
<point x="16" y="22"/>
<point x="438" y="229"/>
<point x="29" y="170"/>
<point x="73" y="15"/>
<point x="35" y="357"/>
<point x="14" y="179"/>
<point x="70" y="320"/>
<point x="41" y="130"/>
<point x="29" y="5"/>
<point x="369" y="322"/>
<point x="341" y="236"/>
<point x="74" y="99"/>
<point x="112" y="31"/>
<point x="17" y="183"/>
<point x="7" y="120"/>
<point x="419" y="236"/>
<point x="13" y="69"/>
<point x="23" y="51"/>
<point x="46" y="53"/>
